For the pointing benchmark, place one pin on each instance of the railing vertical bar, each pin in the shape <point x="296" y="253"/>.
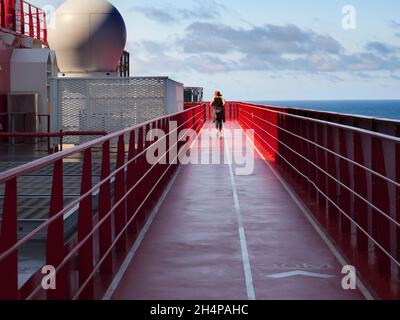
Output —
<point x="380" y="198"/>
<point x="2" y="14"/>
<point x="344" y="168"/>
<point x="38" y="32"/>
<point x="360" y="186"/>
<point x="333" y="212"/>
<point x="304" y="153"/>
<point x="55" y="247"/>
<point x="22" y="15"/>
<point x="31" y="28"/>
<point x="85" y="225"/>
<point x="120" y="212"/>
<point x="13" y="16"/>
<point x="44" y="27"/>
<point x="131" y="180"/>
<point x="398" y="192"/>
<point x="139" y="192"/>
<point x="321" y="162"/>
<point x="312" y="157"/>
<point x="8" y="238"/>
<point x="104" y="208"/>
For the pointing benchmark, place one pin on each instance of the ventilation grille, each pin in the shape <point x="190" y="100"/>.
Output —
<point x="108" y="104"/>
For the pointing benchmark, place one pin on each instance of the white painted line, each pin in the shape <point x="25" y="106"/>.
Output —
<point x="312" y="221"/>
<point x="300" y="273"/>
<point x="118" y="277"/>
<point x="243" y="243"/>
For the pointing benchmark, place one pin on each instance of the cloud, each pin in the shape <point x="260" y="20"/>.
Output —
<point x="212" y="48"/>
<point x="266" y="40"/>
<point x="288" y="47"/>
<point x="394" y="24"/>
<point x="159" y="15"/>
<point x="205" y="10"/>
<point x="205" y="63"/>
<point x="382" y="48"/>
<point x="154" y="56"/>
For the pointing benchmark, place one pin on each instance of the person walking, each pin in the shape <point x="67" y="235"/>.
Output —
<point x="218" y="105"/>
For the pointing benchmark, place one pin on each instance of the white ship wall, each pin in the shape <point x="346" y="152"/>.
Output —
<point x="30" y="71"/>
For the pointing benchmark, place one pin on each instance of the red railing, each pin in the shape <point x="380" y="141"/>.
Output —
<point x="22" y="18"/>
<point x="49" y="135"/>
<point x="125" y="196"/>
<point x="348" y="176"/>
<point x="26" y="117"/>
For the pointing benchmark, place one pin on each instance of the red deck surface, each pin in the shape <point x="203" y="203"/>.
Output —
<point x="193" y="250"/>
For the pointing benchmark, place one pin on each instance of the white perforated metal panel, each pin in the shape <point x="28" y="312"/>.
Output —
<point x="111" y="104"/>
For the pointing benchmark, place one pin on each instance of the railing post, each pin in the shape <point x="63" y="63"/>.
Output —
<point x="31" y="29"/>
<point x="298" y="147"/>
<point x="312" y="171"/>
<point x="380" y="198"/>
<point x="146" y="185"/>
<point x="344" y="194"/>
<point x="131" y="181"/>
<point x="85" y="226"/>
<point x="333" y="214"/>
<point x="360" y="187"/>
<point x="22" y="13"/>
<point x="304" y="152"/>
<point x="398" y="192"/>
<point x="140" y="167"/>
<point x="13" y="15"/>
<point x="44" y="27"/>
<point x="104" y="209"/>
<point x="2" y="14"/>
<point x="55" y="248"/>
<point x="120" y="212"/>
<point x="8" y="238"/>
<point x="279" y="148"/>
<point x="321" y="162"/>
<point x="38" y="31"/>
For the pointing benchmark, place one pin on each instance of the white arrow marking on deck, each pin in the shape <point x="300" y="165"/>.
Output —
<point x="300" y="273"/>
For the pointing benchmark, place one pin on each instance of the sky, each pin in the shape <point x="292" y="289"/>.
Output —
<point x="267" y="50"/>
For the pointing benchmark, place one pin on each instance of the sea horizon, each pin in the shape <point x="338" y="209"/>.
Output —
<point x="377" y="108"/>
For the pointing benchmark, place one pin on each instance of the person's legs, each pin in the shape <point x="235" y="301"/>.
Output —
<point x="219" y="123"/>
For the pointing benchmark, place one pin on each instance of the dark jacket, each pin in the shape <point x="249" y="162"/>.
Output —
<point x="218" y="109"/>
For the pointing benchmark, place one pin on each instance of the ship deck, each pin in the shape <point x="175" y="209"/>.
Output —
<point x="230" y="236"/>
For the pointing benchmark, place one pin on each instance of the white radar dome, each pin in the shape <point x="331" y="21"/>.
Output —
<point x="88" y="36"/>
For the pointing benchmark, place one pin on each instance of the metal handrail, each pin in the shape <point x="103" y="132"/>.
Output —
<point x="30" y="19"/>
<point x="331" y="113"/>
<point x="394" y="260"/>
<point x="67" y="153"/>
<point x="333" y="124"/>
<point x="76" y="248"/>
<point x="333" y="178"/>
<point x="43" y="162"/>
<point x="397" y="184"/>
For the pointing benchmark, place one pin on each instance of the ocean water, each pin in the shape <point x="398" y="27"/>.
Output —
<point x="389" y="109"/>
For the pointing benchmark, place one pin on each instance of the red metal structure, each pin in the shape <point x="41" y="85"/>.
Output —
<point x="22" y="18"/>
<point x="348" y="176"/>
<point x="136" y="188"/>
<point x="3" y="117"/>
